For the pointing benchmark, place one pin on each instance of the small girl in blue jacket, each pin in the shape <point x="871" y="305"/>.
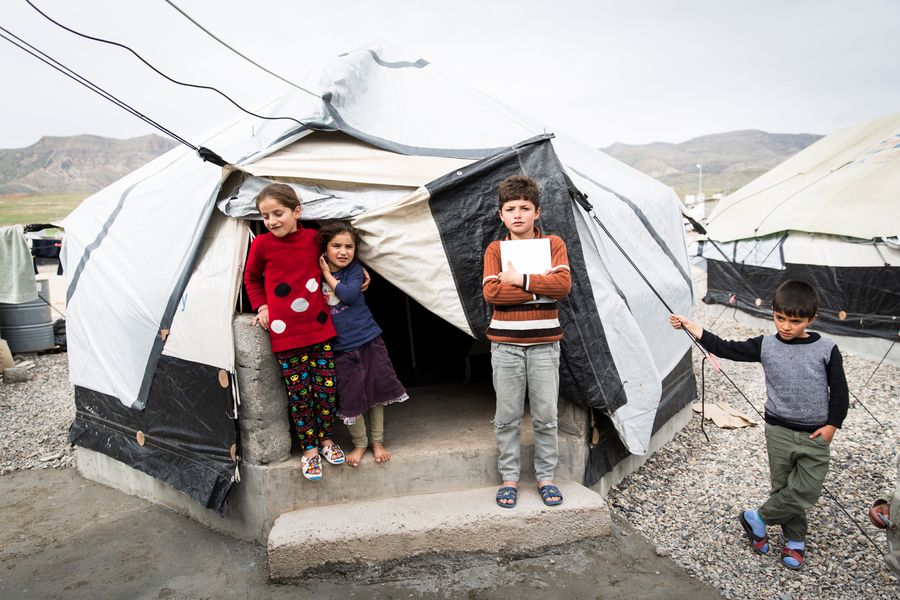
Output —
<point x="366" y="378"/>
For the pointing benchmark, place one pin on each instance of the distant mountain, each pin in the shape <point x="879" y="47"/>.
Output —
<point x="77" y="164"/>
<point x="730" y="160"/>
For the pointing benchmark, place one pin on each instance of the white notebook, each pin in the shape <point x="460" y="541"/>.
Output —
<point x="527" y="256"/>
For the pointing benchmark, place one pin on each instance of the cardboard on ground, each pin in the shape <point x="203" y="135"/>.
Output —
<point x="527" y="256"/>
<point x="724" y="415"/>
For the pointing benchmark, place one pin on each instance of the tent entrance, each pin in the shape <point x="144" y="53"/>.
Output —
<point x="424" y="349"/>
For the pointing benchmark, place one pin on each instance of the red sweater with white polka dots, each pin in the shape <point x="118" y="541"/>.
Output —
<point x="284" y="273"/>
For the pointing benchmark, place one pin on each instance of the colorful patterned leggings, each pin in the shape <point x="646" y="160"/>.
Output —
<point x="309" y="376"/>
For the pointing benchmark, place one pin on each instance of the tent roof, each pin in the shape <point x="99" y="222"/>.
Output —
<point x="846" y="184"/>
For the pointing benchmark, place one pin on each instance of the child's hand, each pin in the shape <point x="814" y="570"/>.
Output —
<point x="262" y="317"/>
<point x="366" y="281"/>
<point x="881" y="507"/>
<point x="826" y="431"/>
<point x="511" y="277"/>
<point x="679" y="322"/>
<point x="323" y="265"/>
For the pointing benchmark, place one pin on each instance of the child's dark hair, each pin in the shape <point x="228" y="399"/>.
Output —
<point x="328" y="231"/>
<point x="282" y="193"/>
<point x="516" y="187"/>
<point x="796" y="299"/>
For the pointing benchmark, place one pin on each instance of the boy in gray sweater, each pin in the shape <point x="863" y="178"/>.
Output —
<point x="806" y="403"/>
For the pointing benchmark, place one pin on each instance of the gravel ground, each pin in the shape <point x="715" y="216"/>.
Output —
<point x="35" y="416"/>
<point x="685" y="499"/>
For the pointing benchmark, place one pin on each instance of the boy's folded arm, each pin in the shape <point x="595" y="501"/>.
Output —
<point x="748" y="350"/>
<point x="838" y="391"/>
<point x="496" y="292"/>
<point x="556" y="284"/>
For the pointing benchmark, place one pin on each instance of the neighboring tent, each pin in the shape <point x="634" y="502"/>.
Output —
<point x="829" y="215"/>
<point x="414" y="160"/>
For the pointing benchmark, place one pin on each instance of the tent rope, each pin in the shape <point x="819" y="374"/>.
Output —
<point x="703" y="397"/>
<point x="248" y="59"/>
<point x="47" y="59"/>
<point x="866" y="385"/>
<point x="157" y="71"/>
<point x="806" y="187"/>
<point x="736" y="266"/>
<point x="582" y="201"/>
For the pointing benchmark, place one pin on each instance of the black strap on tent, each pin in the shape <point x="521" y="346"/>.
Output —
<point x="582" y="201"/>
<point x="209" y="156"/>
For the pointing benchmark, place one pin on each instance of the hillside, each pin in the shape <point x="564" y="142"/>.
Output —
<point x="730" y="160"/>
<point x="80" y="164"/>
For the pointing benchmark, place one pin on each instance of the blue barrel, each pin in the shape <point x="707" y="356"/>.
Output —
<point x="28" y="327"/>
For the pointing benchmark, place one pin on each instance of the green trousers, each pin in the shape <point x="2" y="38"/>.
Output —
<point x="376" y="427"/>
<point x="797" y="469"/>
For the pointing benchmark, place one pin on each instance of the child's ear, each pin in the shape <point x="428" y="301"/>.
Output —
<point x="812" y="318"/>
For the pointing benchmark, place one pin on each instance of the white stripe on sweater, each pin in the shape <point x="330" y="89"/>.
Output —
<point x="524" y="325"/>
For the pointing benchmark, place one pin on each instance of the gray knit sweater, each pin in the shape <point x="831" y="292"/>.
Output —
<point x="805" y="383"/>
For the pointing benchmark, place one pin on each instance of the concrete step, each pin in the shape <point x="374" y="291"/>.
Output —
<point x="460" y="521"/>
<point x="441" y="439"/>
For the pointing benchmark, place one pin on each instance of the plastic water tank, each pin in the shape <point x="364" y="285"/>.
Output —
<point x="28" y="327"/>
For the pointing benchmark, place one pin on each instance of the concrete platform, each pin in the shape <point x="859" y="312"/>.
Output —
<point x="441" y="438"/>
<point x="463" y="521"/>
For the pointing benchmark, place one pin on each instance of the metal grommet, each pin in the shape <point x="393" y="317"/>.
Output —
<point x="140" y="438"/>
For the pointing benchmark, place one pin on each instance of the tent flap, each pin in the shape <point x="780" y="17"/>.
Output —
<point x="185" y="436"/>
<point x="464" y="205"/>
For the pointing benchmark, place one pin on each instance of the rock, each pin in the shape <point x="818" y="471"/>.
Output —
<point x="16" y="375"/>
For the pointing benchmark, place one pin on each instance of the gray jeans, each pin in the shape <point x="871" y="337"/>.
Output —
<point x="517" y="369"/>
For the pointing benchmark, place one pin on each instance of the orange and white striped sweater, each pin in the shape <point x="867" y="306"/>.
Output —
<point x="515" y="322"/>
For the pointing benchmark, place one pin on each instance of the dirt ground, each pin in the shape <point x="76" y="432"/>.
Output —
<point x="66" y="537"/>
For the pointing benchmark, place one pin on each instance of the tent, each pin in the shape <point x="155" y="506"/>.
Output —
<point x="413" y="159"/>
<point x="829" y="215"/>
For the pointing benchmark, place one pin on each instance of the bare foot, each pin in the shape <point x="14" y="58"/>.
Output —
<point x="355" y="456"/>
<point x="381" y="453"/>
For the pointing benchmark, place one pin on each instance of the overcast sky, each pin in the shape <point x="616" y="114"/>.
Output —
<point x="628" y="71"/>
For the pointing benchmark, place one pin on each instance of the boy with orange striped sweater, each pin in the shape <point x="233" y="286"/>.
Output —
<point x="525" y="333"/>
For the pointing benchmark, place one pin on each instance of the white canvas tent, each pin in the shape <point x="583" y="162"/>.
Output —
<point x="829" y="215"/>
<point x="154" y="261"/>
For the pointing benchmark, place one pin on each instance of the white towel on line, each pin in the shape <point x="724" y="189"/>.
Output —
<point x="17" y="282"/>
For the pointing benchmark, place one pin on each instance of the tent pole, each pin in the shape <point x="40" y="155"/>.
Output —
<point x="412" y="343"/>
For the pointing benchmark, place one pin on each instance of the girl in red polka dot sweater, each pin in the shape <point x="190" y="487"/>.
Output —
<point x="283" y="281"/>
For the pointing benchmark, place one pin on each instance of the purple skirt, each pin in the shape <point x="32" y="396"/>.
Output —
<point x="365" y="377"/>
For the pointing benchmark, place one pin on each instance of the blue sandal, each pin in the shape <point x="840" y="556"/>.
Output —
<point x="509" y="494"/>
<point x="550" y="491"/>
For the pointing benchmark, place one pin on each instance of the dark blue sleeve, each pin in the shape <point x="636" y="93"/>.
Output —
<point x="746" y="351"/>
<point x="839" y="393"/>
<point x="350" y="281"/>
